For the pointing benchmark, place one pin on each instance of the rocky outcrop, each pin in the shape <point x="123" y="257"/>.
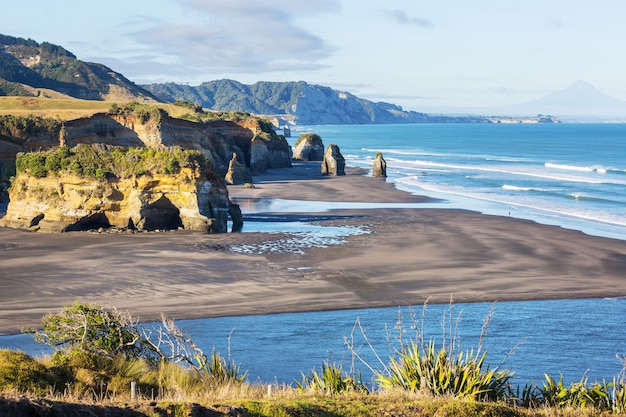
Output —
<point x="379" y="168"/>
<point x="309" y="147"/>
<point x="237" y="173"/>
<point x="149" y="202"/>
<point x="334" y="163"/>
<point x="255" y="141"/>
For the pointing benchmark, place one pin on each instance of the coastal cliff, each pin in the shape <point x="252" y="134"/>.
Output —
<point x="217" y="136"/>
<point x="96" y="186"/>
<point x="218" y="140"/>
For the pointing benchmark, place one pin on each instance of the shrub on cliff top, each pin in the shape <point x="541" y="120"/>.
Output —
<point x="144" y="112"/>
<point x="100" y="161"/>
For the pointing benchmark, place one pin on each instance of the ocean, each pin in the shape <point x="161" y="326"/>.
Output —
<point x="571" y="175"/>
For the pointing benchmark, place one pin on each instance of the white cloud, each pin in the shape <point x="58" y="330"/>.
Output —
<point x="402" y="18"/>
<point x="239" y="37"/>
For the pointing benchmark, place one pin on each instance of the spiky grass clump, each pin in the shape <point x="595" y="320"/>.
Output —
<point x="331" y="380"/>
<point x="439" y="373"/>
<point x="419" y="366"/>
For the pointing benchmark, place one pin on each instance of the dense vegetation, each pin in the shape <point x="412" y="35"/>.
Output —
<point x="99" y="352"/>
<point x="102" y="161"/>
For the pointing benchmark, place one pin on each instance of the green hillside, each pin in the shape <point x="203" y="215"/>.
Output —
<point x="26" y="66"/>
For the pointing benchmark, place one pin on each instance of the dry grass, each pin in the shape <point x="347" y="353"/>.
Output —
<point x="67" y="108"/>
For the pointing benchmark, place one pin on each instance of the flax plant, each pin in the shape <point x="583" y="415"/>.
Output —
<point x="420" y="366"/>
<point x="331" y="380"/>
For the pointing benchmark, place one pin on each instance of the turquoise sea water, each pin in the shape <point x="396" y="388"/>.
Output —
<point x="572" y="175"/>
<point x="569" y="175"/>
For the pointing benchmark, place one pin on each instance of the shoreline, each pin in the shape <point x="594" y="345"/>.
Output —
<point x="409" y="255"/>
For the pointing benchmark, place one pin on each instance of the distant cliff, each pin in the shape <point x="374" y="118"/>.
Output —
<point x="303" y="103"/>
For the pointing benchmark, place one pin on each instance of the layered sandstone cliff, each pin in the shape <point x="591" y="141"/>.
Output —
<point x="132" y="195"/>
<point x="256" y="142"/>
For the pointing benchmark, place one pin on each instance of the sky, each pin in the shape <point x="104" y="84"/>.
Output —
<point x="432" y="56"/>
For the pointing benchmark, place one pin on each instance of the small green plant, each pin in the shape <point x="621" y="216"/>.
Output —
<point x="331" y="380"/>
<point x="18" y="129"/>
<point x="578" y="394"/>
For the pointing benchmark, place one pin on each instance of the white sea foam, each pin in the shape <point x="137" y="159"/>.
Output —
<point x="530" y="171"/>
<point x="516" y="188"/>
<point x="568" y="167"/>
<point x="538" y="208"/>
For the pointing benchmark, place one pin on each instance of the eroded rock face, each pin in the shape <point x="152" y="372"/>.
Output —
<point x="257" y="145"/>
<point x="334" y="163"/>
<point x="237" y="173"/>
<point x="379" y="168"/>
<point x="309" y="147"/>
<point x="149" y="202"/>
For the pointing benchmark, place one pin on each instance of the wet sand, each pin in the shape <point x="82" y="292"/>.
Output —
<point x="407" y="256"/>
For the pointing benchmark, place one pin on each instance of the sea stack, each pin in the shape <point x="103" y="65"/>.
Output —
<point x="380" y="166"/>
<point x="334" y="163"/>
<point x="309" y="147"/>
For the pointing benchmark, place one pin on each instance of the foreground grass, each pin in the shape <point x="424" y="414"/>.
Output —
<point x="104" y="366"/>
<point x="280" y="404"/>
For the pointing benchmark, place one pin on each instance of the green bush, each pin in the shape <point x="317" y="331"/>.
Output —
<point x="144" y="112"/>
<point x="88" y="331"/>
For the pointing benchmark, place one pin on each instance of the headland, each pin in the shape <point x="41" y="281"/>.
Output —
<point x="407" y="256"/>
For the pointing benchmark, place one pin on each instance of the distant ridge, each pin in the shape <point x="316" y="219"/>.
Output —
<point x="302" y="103"/>
<point x="580" y="99"/>
<point x="297" y="100"/>
<point x="28" y="68"/>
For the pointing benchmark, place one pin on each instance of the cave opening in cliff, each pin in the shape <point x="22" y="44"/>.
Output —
<point x="92" y="222"/>
<point x="161" y="215"/>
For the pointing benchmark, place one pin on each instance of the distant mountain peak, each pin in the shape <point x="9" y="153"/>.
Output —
<point x="581" y="93"/>
<point x="578" y="99"/>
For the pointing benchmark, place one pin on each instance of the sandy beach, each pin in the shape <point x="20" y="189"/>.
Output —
<point x="406" y="256"/>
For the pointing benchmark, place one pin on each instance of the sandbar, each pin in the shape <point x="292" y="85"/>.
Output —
<point x="406" y="256"/>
